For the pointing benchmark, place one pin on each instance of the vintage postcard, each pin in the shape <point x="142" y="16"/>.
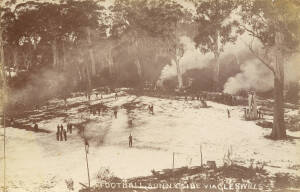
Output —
<point x="150" y="95"/>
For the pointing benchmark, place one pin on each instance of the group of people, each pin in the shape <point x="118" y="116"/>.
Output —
<point x="61" y="133"/>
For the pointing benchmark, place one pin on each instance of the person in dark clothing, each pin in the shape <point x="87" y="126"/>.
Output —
<point x="151" y="109"/>
<point x="65" y="134"/>
<point x="87" y="146"/>
<point x="116" y="95"/>
<point x="130" y="140"/>
<point x="115" y="113"/>
<point x="228" y="113"/>
<point x="57" y="133"/>
<point x="68" y="127"/>
<point x="61" y="133"/>
<point x="71" y="126"/>
<point x="35" y="127"/>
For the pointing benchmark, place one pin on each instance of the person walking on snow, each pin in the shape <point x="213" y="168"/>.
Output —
<point x="57" y="133"/>
<point x="61" y="133"/>
<point x="228" y="113"/>
<point x="130" y="140"/>
<point x="115" y="113"/>
<point x="65" y="134"/>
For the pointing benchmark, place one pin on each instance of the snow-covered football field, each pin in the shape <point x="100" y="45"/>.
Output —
<point x="37" y="162"/>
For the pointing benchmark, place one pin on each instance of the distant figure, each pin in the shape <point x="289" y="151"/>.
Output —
<point x="228" y="113"/>
<point x="61" y="133"/>
<point x="71" y="127"/>
<point x="57" y="132"/>
<point x="150" y="107"/>
<point x="130" y="140"/>
<point x="12" y="122"/>
<point x="96" y="95"/>
<point x="57" y="135"/>
<point x="65" y="134"/>
<point x="35" y="127"/>
<point x="115" y="113"/>
<point x="116" y="96"/>
<point x="258" y="113"/>
<point x="87" y="146"/>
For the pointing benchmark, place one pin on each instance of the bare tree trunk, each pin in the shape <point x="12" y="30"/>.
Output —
<point x="2" y="59"/>
<point x="278" y="130"/>
<point x="54" y="54"/>
<point x="139" y="67"/>
<point x="91" y="52"/>
<point x="179" y="75"/>
<point x="15" y="58"/>
<point x="217" y="72"/>
<point x="110" y="61"/>
<point x="217" y="63"/>
<point x="64" y="62"/>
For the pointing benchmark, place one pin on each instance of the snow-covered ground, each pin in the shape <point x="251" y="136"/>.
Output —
<point x="37" y="162"/>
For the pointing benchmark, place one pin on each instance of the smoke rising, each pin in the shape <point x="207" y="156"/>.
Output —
<point x="254" y="76"/>
<point x="41" y="86"/>
<point x="191" y="59"/>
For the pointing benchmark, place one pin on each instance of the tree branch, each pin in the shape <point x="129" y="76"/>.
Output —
<point x="261" y="59"/>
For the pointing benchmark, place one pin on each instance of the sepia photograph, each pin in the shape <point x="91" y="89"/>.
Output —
<point x="150" y="95"/>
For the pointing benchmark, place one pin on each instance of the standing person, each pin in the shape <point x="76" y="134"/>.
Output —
<point x="68" y="127"/>
<point x="151" y="109"/>
<point x="35" y="127"/>
<point x="130" y="140"/>
<point x="116" y="96"/>
<point x="71" y="126"/>
<point x="61" y="133"/>
<point x="65" y="134"/>
<point x="115" y="113"/>
<point x="228" y="113"/>
<point x="57" y="133"/>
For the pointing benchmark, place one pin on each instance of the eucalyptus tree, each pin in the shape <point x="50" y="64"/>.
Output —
<point x="216" y="28"/>
<point x="276" y="25"/>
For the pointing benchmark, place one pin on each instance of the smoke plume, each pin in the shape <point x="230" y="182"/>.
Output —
<point x="191" y="59"/>
<point x="254" y="75"/>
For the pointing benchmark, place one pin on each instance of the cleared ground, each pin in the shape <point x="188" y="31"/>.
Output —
<point x="37" y="162"/>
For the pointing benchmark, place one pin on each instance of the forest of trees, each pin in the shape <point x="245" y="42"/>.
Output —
<point x="91" y="43"/>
